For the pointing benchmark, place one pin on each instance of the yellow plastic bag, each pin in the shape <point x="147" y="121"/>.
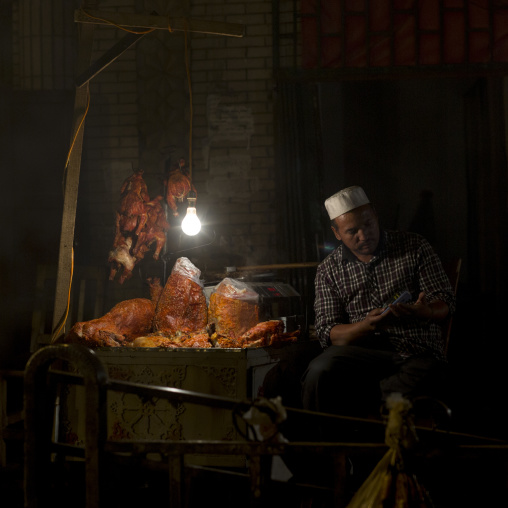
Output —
<point x="390" y="485"/>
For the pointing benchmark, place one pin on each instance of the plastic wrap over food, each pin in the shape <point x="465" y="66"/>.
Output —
<point x="182" y="303"/>
<point x="183" y="266"/>
<point x="233" y="288"/>
<point x="233" y="308"/>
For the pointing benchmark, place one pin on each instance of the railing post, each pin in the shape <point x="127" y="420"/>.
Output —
<point x="40" y="396"/>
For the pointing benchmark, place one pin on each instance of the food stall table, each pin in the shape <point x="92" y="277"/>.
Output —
<point x="237" y="373"/>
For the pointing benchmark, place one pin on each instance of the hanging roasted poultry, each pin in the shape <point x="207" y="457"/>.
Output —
<point x="154" y="231"/>
<point x="132" y="213"/>
<point x="140" y="224"/>
<point x="177" y="186"/>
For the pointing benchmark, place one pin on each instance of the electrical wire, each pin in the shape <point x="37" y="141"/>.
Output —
<point x="63" y="319"/>
<point x="187" y="68"/>
<point x="109" y="22"/>
<point x="74" y="140"/>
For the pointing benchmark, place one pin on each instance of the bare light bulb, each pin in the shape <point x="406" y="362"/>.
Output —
<point x="191" y="224"/>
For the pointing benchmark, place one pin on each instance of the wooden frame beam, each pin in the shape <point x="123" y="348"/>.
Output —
<point x="110" y="56"/>
<point x="156" y="22"/>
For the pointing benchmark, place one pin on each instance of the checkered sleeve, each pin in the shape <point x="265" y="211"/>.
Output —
<point x="328" y="308"/>
<point x="432" y="277"/>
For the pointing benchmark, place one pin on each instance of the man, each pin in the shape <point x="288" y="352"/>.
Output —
<point x="371" y="347"/>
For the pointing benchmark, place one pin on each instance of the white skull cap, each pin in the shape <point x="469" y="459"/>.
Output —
<point x="345" y="200"/>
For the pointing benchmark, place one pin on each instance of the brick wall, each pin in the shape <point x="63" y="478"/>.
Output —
<point x="233" y="127"/>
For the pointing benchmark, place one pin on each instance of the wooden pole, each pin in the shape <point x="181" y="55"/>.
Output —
<point x="110" y="56"/>
<point x="65" y="258"/>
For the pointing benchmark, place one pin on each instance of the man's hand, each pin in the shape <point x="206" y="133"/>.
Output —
<point x="421" y="309"/>
<point x="349" y="333"/>
<point x="373" y="318"/>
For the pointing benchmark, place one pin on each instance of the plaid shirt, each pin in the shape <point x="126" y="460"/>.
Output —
<point x="347" y="290"/>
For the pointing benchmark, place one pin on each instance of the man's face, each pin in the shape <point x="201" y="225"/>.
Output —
<point x="359" y="231"/>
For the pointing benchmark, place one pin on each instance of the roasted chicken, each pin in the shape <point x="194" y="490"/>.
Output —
<point x="154" y="340"/>
<point x="178" y="185"/>
<point x="121" y="260"/>
<point x="140" y="224"/>
<point x="193" y="340"/>
<point x="267" y="333"/>
<point x="154" y="231"/>
<point x="132" y="213"/>
<point x="121" y="325"/>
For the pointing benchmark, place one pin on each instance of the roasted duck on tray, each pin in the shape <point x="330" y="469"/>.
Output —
<point x="177" y="316"/>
